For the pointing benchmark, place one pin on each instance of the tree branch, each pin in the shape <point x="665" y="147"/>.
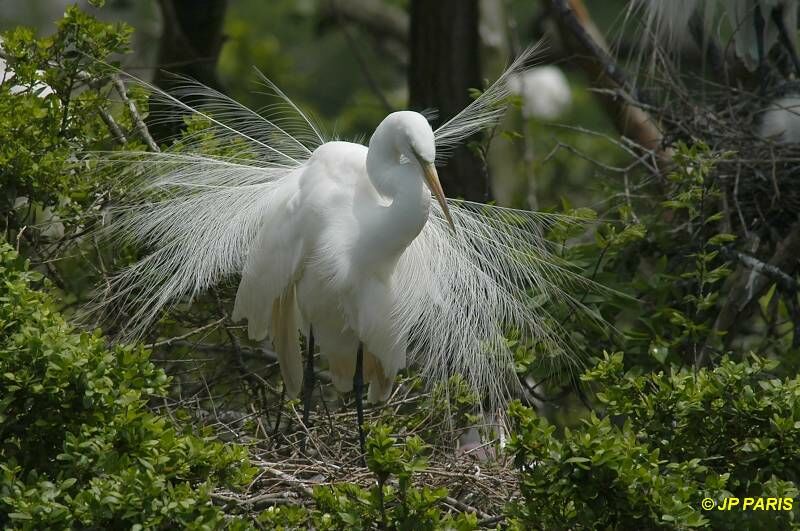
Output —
<point x="585" y="41"/>
<point x="382" y="20"/>
<point x="752" y="279"/>
<point x="137" y="118"/>
<point x="785" y="282"/>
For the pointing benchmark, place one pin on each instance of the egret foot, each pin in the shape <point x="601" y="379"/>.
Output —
<point x="308" y="384"/>
<point x="358" y="389"/>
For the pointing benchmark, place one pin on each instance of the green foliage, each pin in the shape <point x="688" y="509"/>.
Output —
<point x="713" y="433"/>
<point x="661" y="270"/>
<point x="397" y="504"/>
<point x="50" y="112"/>
<point x="78" y="445"/>
<point x="669" y="434"/>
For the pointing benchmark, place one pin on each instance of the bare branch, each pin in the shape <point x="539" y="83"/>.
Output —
<point x="137" y="118"/>
<point x="381" y="19"/>
<point x="784" y="281"/>
<point x="585" y="41"/>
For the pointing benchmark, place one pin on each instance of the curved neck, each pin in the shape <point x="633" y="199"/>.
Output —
<point x="394" y="222"/>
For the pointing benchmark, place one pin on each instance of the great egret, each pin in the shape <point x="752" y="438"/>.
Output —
<point x="544" y="90"/>
<point x="781" y="120"/>
<point x="342" y="239"/>
<point x="757" y="25"/>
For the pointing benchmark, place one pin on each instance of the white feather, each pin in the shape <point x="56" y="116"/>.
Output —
<point x="780" y="121"/>
<point x="666" y="23"/>
<point x="220" y="208"/>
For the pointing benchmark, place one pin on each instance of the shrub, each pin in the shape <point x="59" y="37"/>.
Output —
<point x="400" y="505"/>
<point x="79" y="447"/>
<point x="681" y="437"/>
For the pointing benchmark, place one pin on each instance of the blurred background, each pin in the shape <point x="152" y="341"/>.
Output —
<point x="350" y="62"/>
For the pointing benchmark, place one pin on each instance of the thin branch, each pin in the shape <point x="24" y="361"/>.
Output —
<point x="170" y="341"/>
<point x="113" y="126"/>
<point x="137" y="118"/>
<point x="785" y="282"/>
<point x="364" y="67"/>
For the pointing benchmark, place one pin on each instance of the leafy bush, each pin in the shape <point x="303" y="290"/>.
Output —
<point x="52" y="109"/>
<point x="401" y="506"/>
<point x="79" y="448"/>
<point x="729" y="431"/>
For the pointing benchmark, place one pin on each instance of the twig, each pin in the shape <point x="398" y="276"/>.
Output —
<point x="113" y="126"/>
<point x="170" y="341"/>
<point x="137" y="118"/>
<point x="458" y="504"/>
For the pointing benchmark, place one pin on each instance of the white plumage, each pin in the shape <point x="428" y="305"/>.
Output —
<point x="781" y="120"/>
<point x="7" y="76"/>
<point x="669" y="21"/>
<point x="344" y="238"/>
<point x="544" y="90"/>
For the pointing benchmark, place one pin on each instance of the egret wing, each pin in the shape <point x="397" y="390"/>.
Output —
<point x="197" y="208"/>
<point x="273" y="261"/>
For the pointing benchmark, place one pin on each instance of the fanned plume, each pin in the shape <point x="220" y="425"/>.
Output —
<point x="196" y="210"/>
<point x="484" y="112"/>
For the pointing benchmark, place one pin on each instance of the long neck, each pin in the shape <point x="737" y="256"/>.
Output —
<point x="393" y="223"/>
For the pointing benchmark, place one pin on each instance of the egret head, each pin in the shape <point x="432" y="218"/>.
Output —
<point x="414" y="143"/>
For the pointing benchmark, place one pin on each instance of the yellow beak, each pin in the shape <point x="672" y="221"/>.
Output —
<point x="432" y="180"/>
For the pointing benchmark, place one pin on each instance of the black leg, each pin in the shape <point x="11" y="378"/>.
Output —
<point x="308" y="376"/>
<point x="308" y="382"/>
<point x="358" y="389"/>
<point x="280" y="412"/>
<point x="759" y="22"/>
<point x="783" y="35"/>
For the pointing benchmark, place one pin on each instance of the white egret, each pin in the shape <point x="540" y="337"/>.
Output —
<point x="757" y="25"/>
<point x="341" y="239"/>
<point x="780" y="121"/>
<point x="544" y="90"/>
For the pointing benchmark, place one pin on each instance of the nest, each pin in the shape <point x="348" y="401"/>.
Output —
<point x="758" y="175"/>
<point x="294" y="458"/>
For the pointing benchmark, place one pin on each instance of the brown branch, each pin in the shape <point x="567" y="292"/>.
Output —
<point x="586" y="42"/>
